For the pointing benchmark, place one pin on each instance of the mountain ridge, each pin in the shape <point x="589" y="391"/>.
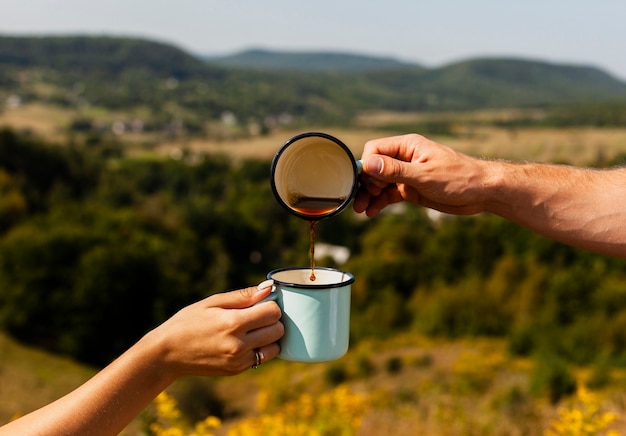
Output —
<point x="320" y="60"/>
<point x="273" y="59"/>
<point x="121" y="72"/>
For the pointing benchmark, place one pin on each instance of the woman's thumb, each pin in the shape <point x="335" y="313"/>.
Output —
<point x="245" y="297"/>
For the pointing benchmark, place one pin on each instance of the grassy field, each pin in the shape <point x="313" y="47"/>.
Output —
<point x="31" y="378"/>
<point x="471" y="132"/>
<point x="575" y="145"/>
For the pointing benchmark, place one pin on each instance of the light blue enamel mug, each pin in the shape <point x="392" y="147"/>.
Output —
<point x="316" y="314"/>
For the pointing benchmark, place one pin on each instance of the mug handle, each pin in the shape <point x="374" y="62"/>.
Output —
<point x="359" y="166"/>
<point x="273" y="296"/>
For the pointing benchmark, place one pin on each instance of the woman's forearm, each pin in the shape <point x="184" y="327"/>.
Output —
<point x="106" y="403"/>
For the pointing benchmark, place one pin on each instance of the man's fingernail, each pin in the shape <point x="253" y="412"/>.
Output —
<point x="265" y="284"/>
<point x="375" y="165"/>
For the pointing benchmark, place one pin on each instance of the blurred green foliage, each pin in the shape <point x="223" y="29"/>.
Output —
<point x="97" y="248"/>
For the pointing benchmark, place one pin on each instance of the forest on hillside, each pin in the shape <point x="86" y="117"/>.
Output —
<point x="89" y="235"/>
<point x="171" y="91"/>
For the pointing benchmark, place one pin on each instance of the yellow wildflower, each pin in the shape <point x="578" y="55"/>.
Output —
<point x="337" y="412"/>
<point x="583" y="418"/>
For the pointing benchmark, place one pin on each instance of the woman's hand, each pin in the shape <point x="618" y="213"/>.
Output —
<point x="220" y="334"/>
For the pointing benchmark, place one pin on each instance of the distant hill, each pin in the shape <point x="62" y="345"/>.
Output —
<point x="93" y="54"/>
<point x="125" y="73"/>
<point x="474" y="82"/>
<point x="498" y="82"/>
<point x="307" y="61"/>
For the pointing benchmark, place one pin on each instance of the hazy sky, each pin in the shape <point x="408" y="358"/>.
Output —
<point x="429" y="32"/>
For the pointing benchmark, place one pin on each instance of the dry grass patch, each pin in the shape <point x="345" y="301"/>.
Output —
<point x="577" y="146"/>
<point x="30" y="378"/>
<point x="42" y="119"/>
<point x="263" y="147"/>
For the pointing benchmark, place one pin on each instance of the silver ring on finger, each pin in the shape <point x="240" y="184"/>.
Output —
<point x="258" y="356"/>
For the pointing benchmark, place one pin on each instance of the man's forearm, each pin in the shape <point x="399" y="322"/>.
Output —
<point x="580" y="207"/>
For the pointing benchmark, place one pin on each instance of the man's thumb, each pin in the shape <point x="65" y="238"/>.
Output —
<point x="385" y="168"/>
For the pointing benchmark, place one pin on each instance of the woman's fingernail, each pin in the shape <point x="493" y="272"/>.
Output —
<point x="265" y="284"/>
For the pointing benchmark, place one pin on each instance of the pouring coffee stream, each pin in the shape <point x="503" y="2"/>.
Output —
<point x="312" y="249"/>
<point x="314" y="176"/>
